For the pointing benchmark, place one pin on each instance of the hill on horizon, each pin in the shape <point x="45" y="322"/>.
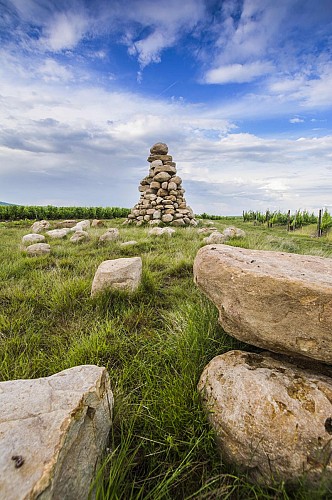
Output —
<point x="4" y="203"/>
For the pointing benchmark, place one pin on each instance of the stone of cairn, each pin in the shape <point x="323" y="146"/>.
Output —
<point x="162" y="199"/>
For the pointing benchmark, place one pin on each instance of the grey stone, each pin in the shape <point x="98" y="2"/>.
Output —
<point x="119" y="274"/>
<point x="58" y="429"/>
<point x="38" y="249"/>
<point x="32" y="238"/>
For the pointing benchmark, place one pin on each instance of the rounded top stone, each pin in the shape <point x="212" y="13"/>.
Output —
<point x="160" y="148"/>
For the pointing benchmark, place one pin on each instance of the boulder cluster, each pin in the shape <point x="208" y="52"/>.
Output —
<point x="162" y="195"/>
<point x="272" y="411"/>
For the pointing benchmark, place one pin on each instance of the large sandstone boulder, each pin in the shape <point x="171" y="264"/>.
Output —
<point x="53" y="431"/>
<point x="274" y="300"/>
<point x="272" y="419"/>
<point x="160" y="148"/>
<point x="119" y="274"/>
<point x="38" y="249"/>
<point x="68" y="223"/>
<point x="30" y="239"/>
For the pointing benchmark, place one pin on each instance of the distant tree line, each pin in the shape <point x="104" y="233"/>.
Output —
<point x="19" y="212"/>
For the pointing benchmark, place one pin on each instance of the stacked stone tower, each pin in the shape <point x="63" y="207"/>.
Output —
<point x="162" y="199"/>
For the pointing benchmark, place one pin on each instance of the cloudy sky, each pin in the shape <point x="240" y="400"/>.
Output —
<point x="240" y="90"/>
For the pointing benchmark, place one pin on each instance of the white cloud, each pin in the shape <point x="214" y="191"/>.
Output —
<point x="296" y="120"/>
<point x="64" y="31"/>
<point x="238" y="73"/>
<point x="52" y="71"/>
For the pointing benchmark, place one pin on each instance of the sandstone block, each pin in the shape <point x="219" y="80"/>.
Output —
<point x="120" y="274"/>
<point x="274" y="300"/>
<point x="111" y="234"/>
<point x="178" y="222"/>
<point x="161" y="177"/>
<point x="58" y="233"/>
<point x="156" y="214"/>
<point x="160" y="148"/>
<point x="40" y="225"/>
<point x="32" y="238"/>
<point x="97" y="223"/>
<point x="272" y="419"/>
<point x="38" y="249"/>
<point x="155" y="185"/>
<point x="172" y="186"/>
<point x="58" y="429"/>
<point x="80" y="236"/>
<point x="167" y="218"/>
<point x="215" y="238"/>
<point x="163" y="158"/>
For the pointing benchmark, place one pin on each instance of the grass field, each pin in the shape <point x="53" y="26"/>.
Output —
<point x="155" y="344"/>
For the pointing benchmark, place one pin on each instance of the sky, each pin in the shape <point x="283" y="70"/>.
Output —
<point x="240" y="90"/>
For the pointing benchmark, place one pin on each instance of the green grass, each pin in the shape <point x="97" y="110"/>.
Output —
<point x="155" y="344"/>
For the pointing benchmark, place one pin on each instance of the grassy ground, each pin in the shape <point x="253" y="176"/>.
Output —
<point x="155" y="344"/>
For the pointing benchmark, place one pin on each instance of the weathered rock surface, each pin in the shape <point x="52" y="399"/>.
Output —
<point x="120" y="274"/>
<point x="32" y="238"/>
<point x="111" y="234"/>
<point x="80" y="236"/>
<point x="215" y="237"/>
<point x="158" y="231"/>
<point x="271" y="418"/>
<point x="161" y="191"/>
<point x="128" y="243"/>
<point x="83" y="225"/>
<point x="274" y="300"/>
<point x="57" y="428"/>
<point x="66" y="223"/>
<point x="40" y="225"/>
<point x="58" y="233"/>
<point x="38" y="249"/>
<point x="97" y="223"/>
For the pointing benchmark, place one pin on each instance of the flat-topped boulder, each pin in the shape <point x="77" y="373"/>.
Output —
<point x="53" y="431"/>
<point x="275" y="300"/>
<point x="30" y="239"/>
<point x="272" y="419"/>
<point x="117" y="274"/>
<point x="38" y="249"/>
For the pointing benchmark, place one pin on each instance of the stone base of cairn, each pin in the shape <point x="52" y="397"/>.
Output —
<point x="162" y="199"/>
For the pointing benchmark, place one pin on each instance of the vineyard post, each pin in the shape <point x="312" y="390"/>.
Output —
<point x="288" y="220"/>
<point x="319" y="224"/>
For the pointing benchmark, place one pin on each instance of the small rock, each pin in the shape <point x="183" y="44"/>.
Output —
<point x="82" y="226"/>
<point x="160" y="148"/>
<point x="128" y="243"/>
<point x="32" y="238"/>
<point x="40" y="225"/>
<point x="97" y="223"/>
<point x="158" y="231"/>
<point x="120" y="274"/>
<point x="215" y="238"/>
<point x="58" y="233"/>
<point x="38" y="249"/>
<point x="66" y="223"/>
<point x="111" y="234"/>
<point x="234" y="232"/>
<point x="80" y="236"/>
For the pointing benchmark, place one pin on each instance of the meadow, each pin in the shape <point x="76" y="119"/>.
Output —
<point x="154" y="343"/>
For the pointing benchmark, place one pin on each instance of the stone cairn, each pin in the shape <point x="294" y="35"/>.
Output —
<point x="162" y="199"/>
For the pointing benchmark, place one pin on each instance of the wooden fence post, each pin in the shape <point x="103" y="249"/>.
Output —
<point x="288" y="220"/>
<point x="319" y="224"/>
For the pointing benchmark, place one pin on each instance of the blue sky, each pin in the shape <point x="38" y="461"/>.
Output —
<point x="241" y="91"/>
